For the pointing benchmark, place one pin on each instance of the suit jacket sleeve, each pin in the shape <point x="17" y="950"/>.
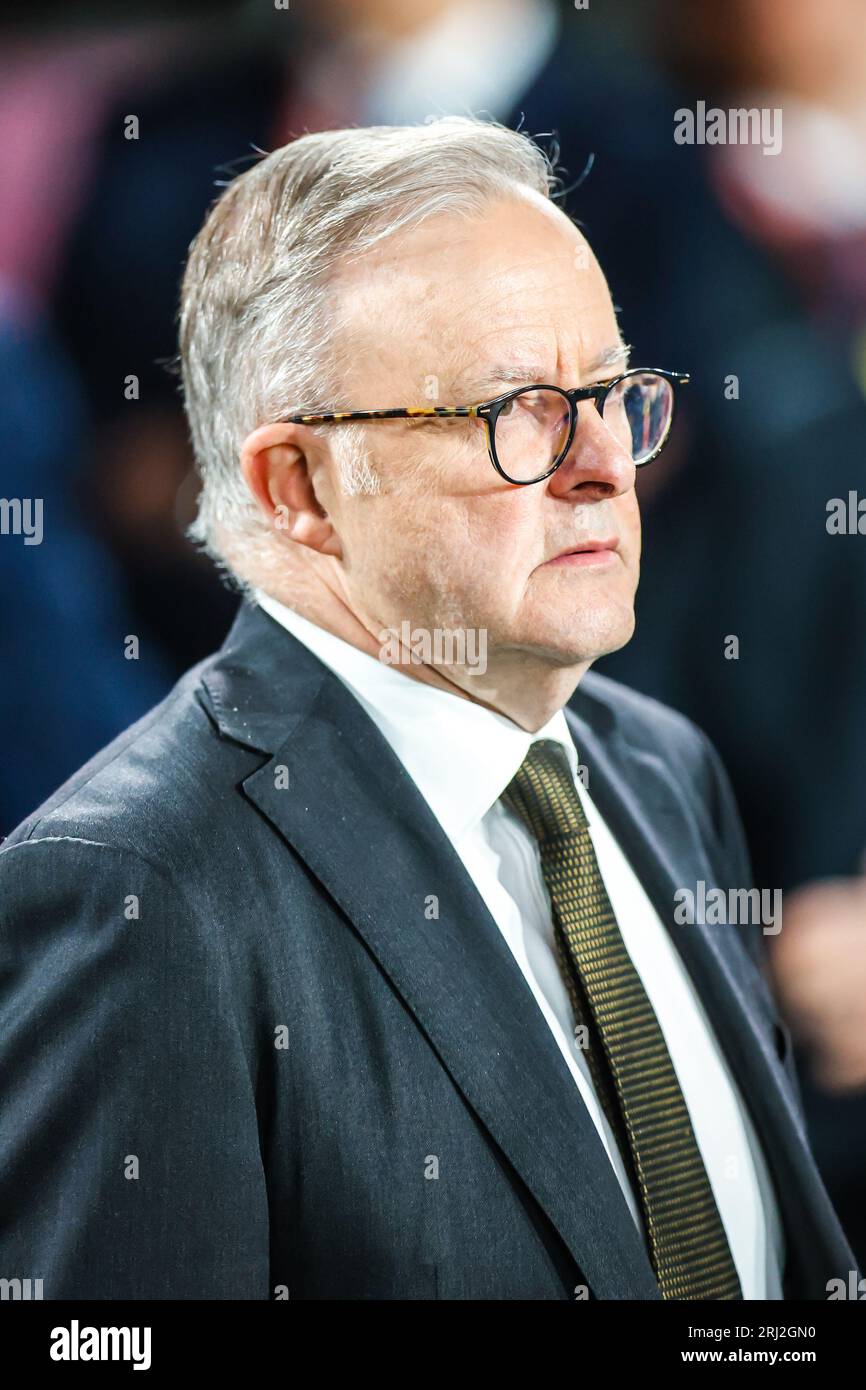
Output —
<point x="129" y="1161"/>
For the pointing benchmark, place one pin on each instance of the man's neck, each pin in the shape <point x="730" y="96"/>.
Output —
<point x="523" y="689"/>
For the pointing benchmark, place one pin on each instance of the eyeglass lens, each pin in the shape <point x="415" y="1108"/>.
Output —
<point x="531" y="430"/>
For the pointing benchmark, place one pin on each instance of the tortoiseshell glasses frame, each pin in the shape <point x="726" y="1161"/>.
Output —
<point x="490" y="411"/>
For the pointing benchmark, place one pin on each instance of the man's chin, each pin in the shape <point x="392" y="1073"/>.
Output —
<point x="580" y="644"/>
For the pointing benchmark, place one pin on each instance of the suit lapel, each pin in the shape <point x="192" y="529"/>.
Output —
<point x="362" y="827"/>
<point x="635" y="795"/>
<point x="661" y="840"/>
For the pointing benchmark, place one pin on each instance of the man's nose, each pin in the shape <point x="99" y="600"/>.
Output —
<point x="598" y="465"/>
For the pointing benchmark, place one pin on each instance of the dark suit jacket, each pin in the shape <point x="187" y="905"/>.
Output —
<point x="239" y="1054"/>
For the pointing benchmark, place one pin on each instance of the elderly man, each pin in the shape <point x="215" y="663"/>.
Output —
<point x="353" y="970"/>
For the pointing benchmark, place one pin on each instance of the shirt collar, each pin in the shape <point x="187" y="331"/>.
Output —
<point x="460" y="755"/>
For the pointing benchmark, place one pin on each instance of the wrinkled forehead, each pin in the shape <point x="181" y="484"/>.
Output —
<point x="517" y="283"/>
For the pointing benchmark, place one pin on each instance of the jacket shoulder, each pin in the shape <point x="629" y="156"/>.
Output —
<point x="643" y="721"/>
<point x="146" y="791"/>
<point x="663" y="742"/>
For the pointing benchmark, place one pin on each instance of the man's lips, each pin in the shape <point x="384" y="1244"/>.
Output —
<point x="594" y="552"/>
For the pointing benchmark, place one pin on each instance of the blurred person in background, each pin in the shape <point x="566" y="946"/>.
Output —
<point x="70" y="678"/>
<point x="809" y="208"/>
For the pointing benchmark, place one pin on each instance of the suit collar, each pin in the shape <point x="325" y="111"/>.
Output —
<point x="259" y="684"/>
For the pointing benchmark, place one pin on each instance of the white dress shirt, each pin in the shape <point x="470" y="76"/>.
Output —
<point x="462" y="756"/>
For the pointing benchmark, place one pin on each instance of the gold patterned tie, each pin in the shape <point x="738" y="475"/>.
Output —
<point x="632" y="1068"/>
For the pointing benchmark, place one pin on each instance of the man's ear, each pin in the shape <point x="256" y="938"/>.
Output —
<point x="279" y="463"/>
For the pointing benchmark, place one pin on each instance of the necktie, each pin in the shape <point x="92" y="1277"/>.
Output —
<point x="630" y="1062"/>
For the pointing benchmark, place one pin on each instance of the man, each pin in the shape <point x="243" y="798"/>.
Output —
<point x="352" y="971"/>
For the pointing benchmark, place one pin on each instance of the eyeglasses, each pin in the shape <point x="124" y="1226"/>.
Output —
<point x="530" y="430"/>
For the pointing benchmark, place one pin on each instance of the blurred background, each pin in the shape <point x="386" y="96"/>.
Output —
<point x="746" y="270"/>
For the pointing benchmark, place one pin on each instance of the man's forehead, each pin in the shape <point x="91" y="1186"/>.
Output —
<point x="494" y="254"/>
<point x="515" y="311"/>
<point x="567" y="342"/>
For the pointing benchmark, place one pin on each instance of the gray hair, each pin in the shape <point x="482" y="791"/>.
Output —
<point x="257" y="341"/>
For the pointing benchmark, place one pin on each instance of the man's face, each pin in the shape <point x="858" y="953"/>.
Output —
<point x="453" y="313"/>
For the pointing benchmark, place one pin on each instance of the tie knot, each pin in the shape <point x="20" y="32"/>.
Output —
<point x="542" y="793"/>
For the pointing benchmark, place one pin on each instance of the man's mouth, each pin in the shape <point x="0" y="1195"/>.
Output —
<point x="591" y="552"/>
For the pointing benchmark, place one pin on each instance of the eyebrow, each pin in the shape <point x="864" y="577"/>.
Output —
<point x="526" y="373"/>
